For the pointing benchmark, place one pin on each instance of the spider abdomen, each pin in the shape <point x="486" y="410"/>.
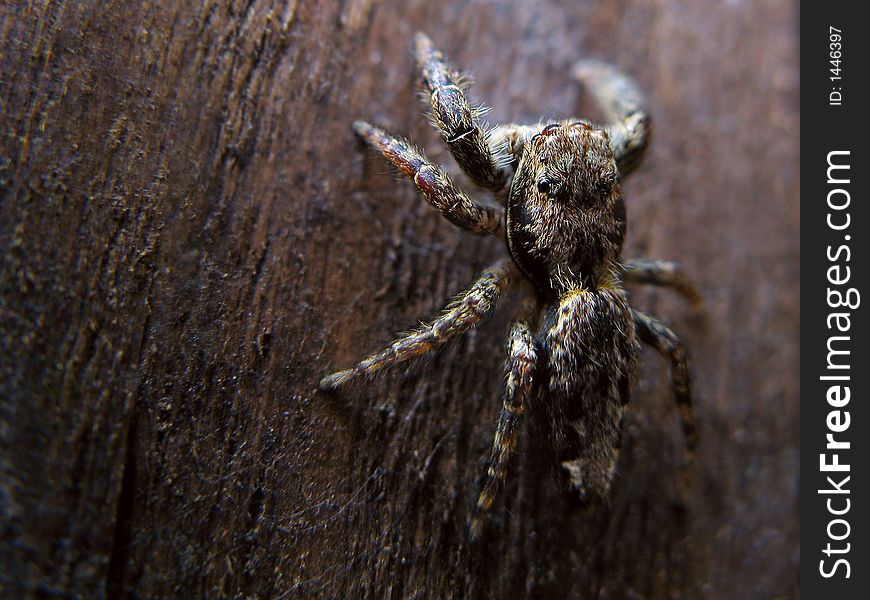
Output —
<point x="591" y="346"/>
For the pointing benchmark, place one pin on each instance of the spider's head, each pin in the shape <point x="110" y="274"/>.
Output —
<point x="566" y="217"/>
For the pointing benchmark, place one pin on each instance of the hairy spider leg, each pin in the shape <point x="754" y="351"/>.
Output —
<point x="469" y="308"/>
<point x="509" y="140"/>
<point x="620" y="99"/>
<point x="653" y="332"/>
<point x="519" y="371"/>
<point x="433" y="183"/>
<point x="664" y="273"/>
<point x="457" y="121"/>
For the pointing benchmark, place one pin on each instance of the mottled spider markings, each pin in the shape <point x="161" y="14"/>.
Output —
<point x="574" y="343"/>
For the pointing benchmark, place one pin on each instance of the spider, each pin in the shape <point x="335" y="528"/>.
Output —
<point x="574" y="343"/>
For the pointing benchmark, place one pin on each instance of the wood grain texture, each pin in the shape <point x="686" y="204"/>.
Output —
<point x="191" y="238"/>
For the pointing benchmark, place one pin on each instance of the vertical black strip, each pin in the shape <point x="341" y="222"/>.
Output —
<point x="835" y="299"/>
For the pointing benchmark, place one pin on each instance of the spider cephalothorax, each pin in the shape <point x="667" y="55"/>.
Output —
<point x="565" y="214"/>
<point x="573" y="346"/>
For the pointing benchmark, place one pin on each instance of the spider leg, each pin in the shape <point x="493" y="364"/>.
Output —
<point x="433" y="183"/>
<point x="468" y="309"/>
<point x="621" y="101"/>
<point x="509" y="141"/>
<point x="663" y="273"/>
<point x="653" y="332"/>
<point x="456" y="120"/>
<point x="519" y="370"/>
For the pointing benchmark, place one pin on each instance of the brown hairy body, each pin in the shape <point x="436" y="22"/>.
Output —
<point x="573" y="346"/>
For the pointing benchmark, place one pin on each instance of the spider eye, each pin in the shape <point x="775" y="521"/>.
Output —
<point x="543" y="185"/>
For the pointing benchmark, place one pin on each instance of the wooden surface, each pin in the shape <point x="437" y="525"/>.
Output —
<point x="191" y="238"/>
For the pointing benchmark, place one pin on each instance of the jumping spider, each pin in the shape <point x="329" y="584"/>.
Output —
<point x="573" y="347"/>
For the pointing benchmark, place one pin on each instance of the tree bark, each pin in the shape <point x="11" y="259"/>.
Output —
<point x="191" y="239"/>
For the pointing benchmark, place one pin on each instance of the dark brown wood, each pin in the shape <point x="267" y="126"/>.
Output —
<point x="191" y="239"/>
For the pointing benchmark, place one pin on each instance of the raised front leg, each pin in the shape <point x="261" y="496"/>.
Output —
<point x="457" y="121"/>
<point x="653" y="332"/>
<point x="520" y="371"/>
<point x="621" y="101"/>
<point x="433" y="183"/>
<point x="664" y="273"/>
<point x="468" y="309"/>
